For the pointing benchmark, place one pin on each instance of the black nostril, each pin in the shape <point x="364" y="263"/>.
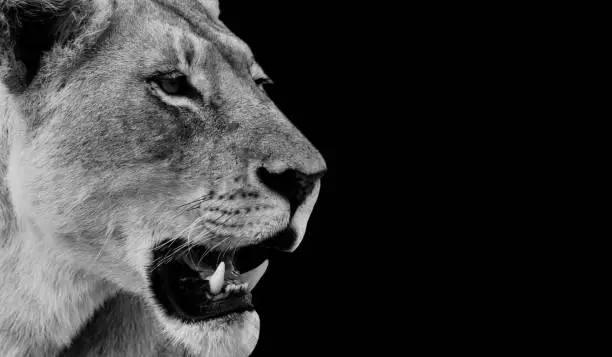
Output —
<point x="291" y="184"/>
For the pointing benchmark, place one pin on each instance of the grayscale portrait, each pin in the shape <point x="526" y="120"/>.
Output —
<point x="147" y="180"/>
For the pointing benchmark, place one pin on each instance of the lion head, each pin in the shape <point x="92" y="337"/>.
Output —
<point x="140" y="153"/>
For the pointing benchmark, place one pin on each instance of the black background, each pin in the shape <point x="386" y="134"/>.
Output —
<point x="306" y="301"/>
<point x="413" y="238"/>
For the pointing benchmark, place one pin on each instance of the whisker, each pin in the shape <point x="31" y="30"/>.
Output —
<point x="210" y="249"/>
<point x="168" y="256"/>
<point x="199" y="200"/>
<point x="108" y="234"/>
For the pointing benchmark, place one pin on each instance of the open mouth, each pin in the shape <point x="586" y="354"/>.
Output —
<point x="200" y="283"/>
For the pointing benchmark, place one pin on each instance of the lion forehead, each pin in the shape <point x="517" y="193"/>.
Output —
<point x="202" y="21"/>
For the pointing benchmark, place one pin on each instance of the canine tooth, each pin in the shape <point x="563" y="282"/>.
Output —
<point x="252" y="277"/>
<point x="216" y="280"/>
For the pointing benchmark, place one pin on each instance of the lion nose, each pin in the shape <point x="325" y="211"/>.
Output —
<point x="291" y="184"/>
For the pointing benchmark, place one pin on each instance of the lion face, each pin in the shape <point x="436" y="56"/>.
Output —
<point x="159" y="163"/>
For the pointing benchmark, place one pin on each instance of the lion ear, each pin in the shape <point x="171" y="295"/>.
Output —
<point x="212" y="6"/>
<point x="29" y="28"/>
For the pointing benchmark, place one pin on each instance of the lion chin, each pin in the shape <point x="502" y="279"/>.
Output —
<point x="234" y="335"/>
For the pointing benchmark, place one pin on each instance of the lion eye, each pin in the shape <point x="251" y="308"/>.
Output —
<point x="262" y="82"/>
<point x="175" y="85"/>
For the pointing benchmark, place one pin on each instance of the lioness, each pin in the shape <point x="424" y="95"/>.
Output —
<point x="144" y="174"/>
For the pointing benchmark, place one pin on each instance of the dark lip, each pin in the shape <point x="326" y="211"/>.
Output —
<point x="218" y="309"/>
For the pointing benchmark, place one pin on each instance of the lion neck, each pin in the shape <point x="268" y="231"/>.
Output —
<point x="9" y="131"/>
<point x="42" y="288"/>
<point x="39" y="285"/>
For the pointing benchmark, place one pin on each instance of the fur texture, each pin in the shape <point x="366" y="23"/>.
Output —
<point x="99" y="162"/>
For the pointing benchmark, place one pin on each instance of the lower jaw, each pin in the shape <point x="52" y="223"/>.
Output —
<point x="233" y="335"/>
